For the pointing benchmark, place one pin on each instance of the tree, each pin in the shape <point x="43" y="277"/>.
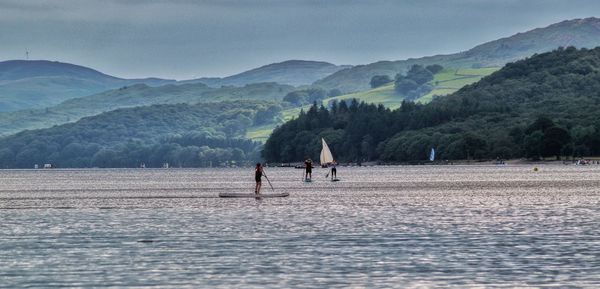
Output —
<point x="366" y="147"/>
<point x="105" y="158"/>
<point x="413" y="85"/>
<point x="434" y="68"/>
<point x="315" y="94"/>
<point x="6" y="157"/>
<point x="379" y="80"/>
<point x="295" y="98"/>
<point x="419" y="74"/>
<point x="533" y="144"/>
<point x="555" y="138"/>
<point x="541" y="123"/>
<point x="266" y="115"/>
<point x="404" y="86"/>
<point x="473" y="145"/>
<point x="334" y="92"/>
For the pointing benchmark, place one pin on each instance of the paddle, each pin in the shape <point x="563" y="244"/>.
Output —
<point x="268" y="180"/>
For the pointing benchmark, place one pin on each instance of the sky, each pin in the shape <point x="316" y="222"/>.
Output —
<point x="184" y="39"/>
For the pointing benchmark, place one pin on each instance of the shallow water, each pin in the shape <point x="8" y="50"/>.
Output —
<point x="414" y="226"/>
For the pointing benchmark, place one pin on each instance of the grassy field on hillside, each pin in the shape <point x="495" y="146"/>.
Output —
<point x="260" y="133"/>
<point x="445" y="82"/>
<point x="449" y="81"/>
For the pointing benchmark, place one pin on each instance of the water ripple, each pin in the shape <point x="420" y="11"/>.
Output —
<point x="399" y="227"/>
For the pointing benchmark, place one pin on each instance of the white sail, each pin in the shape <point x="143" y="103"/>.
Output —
<point x="326" y="156"/>
<point x="432" y="155"/>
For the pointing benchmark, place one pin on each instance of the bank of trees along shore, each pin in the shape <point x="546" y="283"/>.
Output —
<point x="180" y="134"/>
<point x="544" y="106"/>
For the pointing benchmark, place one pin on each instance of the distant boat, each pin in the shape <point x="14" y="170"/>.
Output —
<point x="326" y="156"/>
<point x="432" y="155"/>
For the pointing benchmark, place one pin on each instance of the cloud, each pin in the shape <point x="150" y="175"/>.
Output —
<point x="186" y="38"/>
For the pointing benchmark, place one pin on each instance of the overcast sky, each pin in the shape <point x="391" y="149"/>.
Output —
<point x="185" y="39"/>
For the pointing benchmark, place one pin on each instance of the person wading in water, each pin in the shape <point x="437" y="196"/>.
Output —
<point x="258" y="173"/>
<point x="308" y="166"/>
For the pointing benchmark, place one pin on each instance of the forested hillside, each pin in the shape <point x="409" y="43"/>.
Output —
<point x="544" y="106"/>
<point x="180" y="134"/>
<point x="135" y="95"/>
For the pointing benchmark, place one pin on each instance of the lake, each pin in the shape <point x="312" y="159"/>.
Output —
<point x="397" y="226"/>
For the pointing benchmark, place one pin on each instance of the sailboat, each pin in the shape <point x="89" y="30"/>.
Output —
<point x="326" y="156"/>
<point x="432" y="155"/>
<point x="326" y="159"/>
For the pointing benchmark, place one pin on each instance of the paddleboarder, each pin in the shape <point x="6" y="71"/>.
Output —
<point x="308" y="166"/>
<point x="258" y="173"/>
<point x="333" y="170"/>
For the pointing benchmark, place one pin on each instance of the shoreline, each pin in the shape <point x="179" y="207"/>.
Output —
<point x="590" y="161"/>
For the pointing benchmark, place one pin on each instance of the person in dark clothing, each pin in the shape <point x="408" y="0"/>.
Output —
<point x="308" y="166"/>
<point x="333" y="170"/>
<point x="258" y="173"/>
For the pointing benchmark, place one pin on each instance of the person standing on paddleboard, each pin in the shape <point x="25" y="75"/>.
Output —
<point x="258" y="173"/>
<point x="308" y="166"/>
<point x="333" y="170"/>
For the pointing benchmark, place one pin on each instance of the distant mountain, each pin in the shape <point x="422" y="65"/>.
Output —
<point x="28" y="84"/>
<point x="291" y="72"/>
<point x="578" y="33"/>
<point x="136" y="95"/>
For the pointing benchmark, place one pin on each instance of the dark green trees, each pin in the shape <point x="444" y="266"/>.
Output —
<point x="544" y="139"/>
<point x="413" y="84"/>
<point x="310" y="95"/>
<point x="434" y="68"/>
<point x="554" y="141"/>
<point x="379" y="80"/>
<point x="180" y="134"/>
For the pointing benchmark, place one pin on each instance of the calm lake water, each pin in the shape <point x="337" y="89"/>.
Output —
<point x="414" y="226"/>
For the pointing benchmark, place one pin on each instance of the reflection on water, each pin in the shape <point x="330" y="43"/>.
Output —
<point x="404" y="227"/>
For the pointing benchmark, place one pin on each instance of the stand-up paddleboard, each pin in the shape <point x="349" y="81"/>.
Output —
<point x="335" y="180"/>
<point x="253" y="195"/>
<point x="307" y="180"/>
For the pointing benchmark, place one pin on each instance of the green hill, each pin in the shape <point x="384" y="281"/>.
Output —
<point x="444" y="82"/>
<point x="26" y="84"/>
<point x="180" y="134"/>
<point x="135" y="95"/>
<point x="543" y="106"/>
<point x="578" y="33"/>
